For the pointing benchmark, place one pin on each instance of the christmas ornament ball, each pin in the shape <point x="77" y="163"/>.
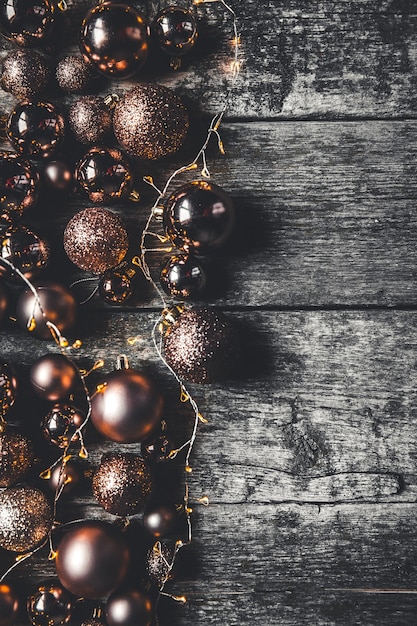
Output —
<point x="95" y="240"/>
<point x="25" y="518"/>
<point x="183" y="277"/>
<point x="92" y="559"/>
<point x="16" y="457"/>
<point x="122" y="483"/>
<point x="27" y="22"/>
<point x="56" y="302"/>
<point x="67" y="477"/>
<point x="8" y="388"/>
<point x="19" y="184"/>
<point x="115" y="285"/>
<point x="25" y="73"/>
<point x="162" y="520"/>
<point x="4" y="302"/>
<point x="104" y="175"/>
<point x="150" y="121"/>
<point x="28" y="252"/>
<point x="53" y="377"/>
<point x="90" y="120"/>
<point x="50" y="605"/>
<point x="35" y="129"/>
<point x="57" y="175"/>
<point x="129" y="607"/>
<point x="73" y="74"/>
<point x="175" y="30"/>
<point x="157" y="448"/>
<point x="60" y="425"/>
<point x="9" y="604"/>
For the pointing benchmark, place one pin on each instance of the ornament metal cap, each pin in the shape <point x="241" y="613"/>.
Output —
<point x="169" y="316"/>
<point x="122" y="362"/>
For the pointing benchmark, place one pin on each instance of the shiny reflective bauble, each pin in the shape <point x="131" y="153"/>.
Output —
<point x="130" y="607"/>
<point x="126" y="407"/>
<point x="58" y="176"/>
<point x="115" y="285"/>
<point x="183" y="276"/>
<point x="26" y="518"/>
<point x="104" y="175"/>
<point x="66" y="478"/>
<point x="175" y="30"/>
<point x="8" y="387"/>
<point x="9" y="605"/>
<point x="4" y="302"/>
<point x="50" y="605"/>
<point x="53" y="377"/>
<point x="157" y="449"/>
<point x="27" y="22"/>
<point x="60" y="425"/>
<point x="73" y="74"/>
<point x="57" y="305"/>
<point x="16" y="457"/>
<point x="25" y="73"/>
<point x="19" y="184"/>
<point x="26" y="251"/>
<point x="114" y="38"/>
<point x="199" y="216"/>
<point x="92" y="559"/>
<point x="90" y="119"/>
<point x="162" y="520"/>
<point x="36" y="129"/>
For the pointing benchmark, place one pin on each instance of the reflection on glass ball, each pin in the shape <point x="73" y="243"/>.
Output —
<point x="27" y="22"/>
<point x="26" y="251"/>
<point x="115" y="285"/>
<point x="175" y="30"/>
<point x="19" y="184"/>
<point x="61" y="423"/>
<point x="104" y="175"/>
<point x="36" y="129"/>
<point x="183" y="277"/>
<point x="50" y="605"/>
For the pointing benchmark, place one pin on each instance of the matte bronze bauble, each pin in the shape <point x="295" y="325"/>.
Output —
<point x="163" y="520"/>
<point x="50" y="605"/>
<point x="126" y="407"/>
<point x="57" y="305"/>
<point x="9" y="605"/>
<point x="16" y="457"/>
<point x="60" y="426"/>
<point x="199" y="216"/>
<point x="19" y="184"/>
<point x="27" y="22"/>
<point x="25" y="250"/>
<point x="104" y="175"/>
<point x="8" y="386"/>
<point x="115" y="285"/>
<point x="183" y="277"/>
<point x="53" y="377"/>
<point x="58" y="176"/>
<point x="90" y="120"/>
<point x="73" y="74"/>
<point x="129" y="607"/>
<point x="36" y="129"/>
<point x="150" y="121"/>
<point x="201" y="346"/>
<point x="25" y="74"/>
<point x="92" y="559"/>
<point x="96" y="240"/>
<point x="122" y="483"/>
<point x="25" y="518"/>
<point x="175" y="30"/>
<point x="4" y="303"/>
<point x="67" y="477"/>
<point x="114" y="38"/>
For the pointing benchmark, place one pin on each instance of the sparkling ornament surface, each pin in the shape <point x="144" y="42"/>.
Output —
<point x="150" y="121"/>
<point x="16" y="457"/>
<point x="53" y="377"/>
<point x="175" y="30"/>
<point x="9" y="605"/>
<point x="95" y="240"/>
<point x="67" y="477"/>
<point x="50" y="605"/>
<point x="158" y="559"/>
<point x="114" y="38"/>
<point x="25" y="518"/>
<point x="8" y="388"/>
<point x="130" y="607"/>
<point x="201" y="346"/>
<point x="26" y="251"/>
<point x="73" y="74"/>
<point x="122" y="483"/>
<point x="57" y="175"/>
<point x="115" y="285"/>
<point x="183" y="276"/>
<point x="60" y="425"/>
<point x="104" y="175"/>
<point x="92" y="559"/>
<point x="27" y="22"/>
<point x="19" y="184"/>
<point x="199" y="216"/>
<point x="56" y="302"/>
<point x="90" y="119"/>
<point x="36" y="129"/>
<point x="25" y="73"/>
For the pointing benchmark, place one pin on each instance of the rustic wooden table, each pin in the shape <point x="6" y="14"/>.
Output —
<point x="309" y="458"/>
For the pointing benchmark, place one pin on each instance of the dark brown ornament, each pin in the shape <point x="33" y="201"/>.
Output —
<point x="25" y="74"/>
<point x="73" y="74"/>
<point x="36" y="129"/>
<point x="90" y="119"/>
<point x="114" y="38"/>
<point x="104" y="175"/>
<point x="157" y="448"/>
<point x="26" y="251"/>
<point x="50" y="605"/>
<point x="4" y="302"/>
<point x="201" y="346"/>
<point x="158" y="561"/>
<point x="150" y="121"/>
<point x="129" y="607"/>
<point x="199" y="216"/>
<point x="53" y="377"/>
<point x="122" y="483"/>
<point x="19" y="184"/>
<point x="16" y="457"/>
<point x="163" y="520"/>
<point x="60" y="425"/>
<point x="92" y="559"/>
<point x="126" y="407"/>
<point x="96" y="240"/>
<point x="57" y="305"/>
<point x="25" y="518"/>
<point x="8" y="386"/>
<point x="67" y="477"/>
<point x="27" y="22"/>
<point x="183" y="277"/>
<point x="175" y="30"/>
<point x="9" y="605"/>
<point x="115" y="285"/>
<point x="58" y="176"/>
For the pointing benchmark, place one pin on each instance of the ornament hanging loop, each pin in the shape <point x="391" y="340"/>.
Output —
<point x="122" y="362"/>
<point x="111" y="100"/>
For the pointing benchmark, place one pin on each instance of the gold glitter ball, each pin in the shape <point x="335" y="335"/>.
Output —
<point x="25" y="518"/>
<point x="16" y="457"/>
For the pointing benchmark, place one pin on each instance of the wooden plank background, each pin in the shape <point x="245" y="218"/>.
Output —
<point x="309" y="456"/>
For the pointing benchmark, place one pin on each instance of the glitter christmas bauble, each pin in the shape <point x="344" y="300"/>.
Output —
<point x="27" y="22"/>
<point x="122" y="483"/>
<point x="26" y="251"/>
<point x="16" y="457"/>
<point x="25" y="518"/>
<point x="57" y="305"/>
<point x="8" y="388"/>
<point x="150" y="121"/>
<point x="201" y="346"/>
<point x="25" y="73"/>
<point x="104" y="175"/>
<point x="90" y="120"/>
<point x="53" y="377"/>
<point x="158" y="560"/>
<point x="73" y="75"/>
<point x="175" y="30"/>
<point x="61" y="424"/>
<point x="50" y="605"/>
<point x="129" y="607"/>
<point x="95" y="240"/>
<point x="183" y="276"/>
<point x="19" y="184"/>
<point x="36" y="129"/>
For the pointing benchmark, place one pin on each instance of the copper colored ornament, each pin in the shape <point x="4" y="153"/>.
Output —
<point x="58" y="176"/>
<point x="25" y="73"/>
<point x="60" y="425"/>
<point x="25" y="518"/>
<point x="27" y="22"/>
<point x="90" y="119"/>
<point x="36" y="129"/>
<point x="66" y="477"/>
<point x="126" y="407"/>
<point x="115" y="285"/>
<point x="57" y="305"/>
<point x="25" y="250"/>
<point x="175" y="30"/>
<point x="8" y="387"/>
<point x="19" y="184"/>
<point x="150" y="121"/>
<point x="53" y="377"/>
<point x="158" y="560"/>
<point x="183" y="277"/>
<point x="4" y="302"/>
<point x="92" y="559"/>
<point x="16" y="457"/>
<point x="114" y="38"/>
<point x="201" y="346"/>
<point x="199" y="216"/>
<point x="9" y="605"/>
<point x="73" y="74"/>
<point x="50" y="605"/>
<point x="104" y="175"/>
<point x="162" y="520"/>
<point x="129" y="607"/>
<point x="122" y="483"/>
